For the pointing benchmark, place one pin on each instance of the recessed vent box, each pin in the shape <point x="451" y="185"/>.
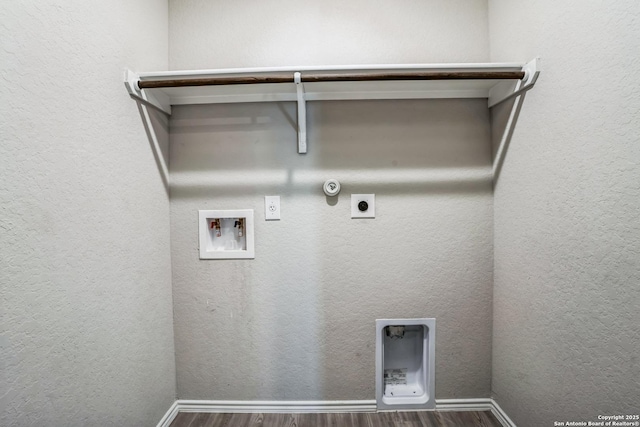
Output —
<point x="405" y="363"/>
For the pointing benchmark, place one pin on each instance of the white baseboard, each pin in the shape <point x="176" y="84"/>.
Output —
<point x="463" y="405"/>
<point x="171" y="414"/>
<point x="501" y="415"/>
<point x="286" y="406"/>
<point x="321" y="406"/>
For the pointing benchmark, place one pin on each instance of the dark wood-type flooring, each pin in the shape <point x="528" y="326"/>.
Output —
<point x="379" y="419"/>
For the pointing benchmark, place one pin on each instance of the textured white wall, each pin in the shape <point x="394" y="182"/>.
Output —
<point x="567" y="215"/>
<point x="85" y="263"/>
<point x="221" y="34"/>
<point x="298" y="322"/>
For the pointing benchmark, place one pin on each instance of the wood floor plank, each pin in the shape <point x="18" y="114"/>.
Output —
<point x="184" y="419"/>
<point x="428" y="418"/>
<point x="405" y="419"/>
<point x="382" y="419"/>
<point x="205" y="420"/>
<point x="217" y="420"/>
<point x="257" y="420"/>
<point x="280" y="420"/>
<point x="446" y="419"/>
<point x="239" y="420"/>
<point x="487" y="419"/>
<point x="308" y="420"/>
<point x="357" y="420"/>
<point x="319" y="420"/>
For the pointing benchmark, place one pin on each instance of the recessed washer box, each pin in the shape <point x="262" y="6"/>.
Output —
<point x="405" y="364"/>
<point x="226" y="234"/>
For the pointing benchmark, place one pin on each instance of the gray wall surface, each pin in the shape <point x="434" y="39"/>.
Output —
<point x="567" y="215"/>
<point x="223" y="34"/>
<point x="87" y="337"/>
<point x="298" y="322"/>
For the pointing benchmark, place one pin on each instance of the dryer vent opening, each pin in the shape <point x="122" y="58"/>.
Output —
<point x="405" y="364"/>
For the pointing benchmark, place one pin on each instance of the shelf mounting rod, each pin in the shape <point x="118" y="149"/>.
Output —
<point x="302" y="114"/>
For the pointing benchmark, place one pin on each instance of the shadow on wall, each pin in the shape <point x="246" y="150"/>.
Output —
<point x="394" y="147"/>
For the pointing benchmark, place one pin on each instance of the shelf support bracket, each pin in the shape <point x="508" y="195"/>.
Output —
<point x="302" y="114"/>
<point x="508" y="90"/>
<point x="131" y="80"/>
<point x="144" y="102"/>
<point x="502" y="93"/>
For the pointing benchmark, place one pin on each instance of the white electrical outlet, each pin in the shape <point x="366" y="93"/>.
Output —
<point x="271" y="208"/>
<point x="363" y="206"/>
